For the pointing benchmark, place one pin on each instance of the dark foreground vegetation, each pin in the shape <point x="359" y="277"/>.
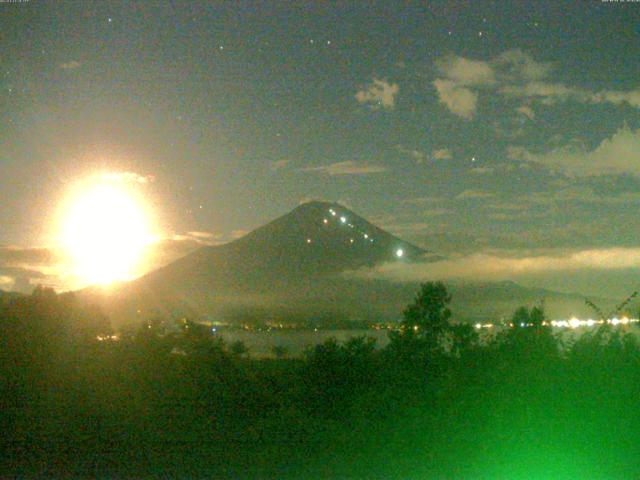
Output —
<point x="435" y="403"/>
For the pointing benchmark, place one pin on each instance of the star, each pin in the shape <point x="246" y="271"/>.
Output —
<point x="110" y="20"/>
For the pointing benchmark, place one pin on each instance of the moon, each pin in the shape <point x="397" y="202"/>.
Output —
<point x="105" y="231"/>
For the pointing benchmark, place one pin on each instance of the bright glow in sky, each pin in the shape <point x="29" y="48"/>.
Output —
<point x="104" y="231"/>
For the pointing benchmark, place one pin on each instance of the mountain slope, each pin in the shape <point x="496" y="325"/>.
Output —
<point x="315" y="239"/>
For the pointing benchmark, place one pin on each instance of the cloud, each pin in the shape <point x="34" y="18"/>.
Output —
<point x="72" y="65"/>
<point x="12" y="255"/>
<point x="459" y="73"/>
<point x="27" y="266"/>
<point x="548" y="92"/>
<point x="496" y="267"/>
<point x="31" y="263"/>
<point x="441" y="154"/>
<point x="517" y="65"/>
<point x="347" y="168"/>
<point x="279" y="164"/>
<point x="617" y="155"/>
<point x="416" y="155"/>
<point x="203" y="235"/>
<point x="126" y="177"/>
<point x="482" y="170"/>
<point x="235" y="234"/>
<point x="551" y="93"/>
<point x="473" y="194"/>
<point x="430" y="200"/>
<point x="460" y="101"/>
<point x="632" y="97"/>
<point x="420" y="157"/>
<point x="379" y="94"/>
<point x="415" y="228"/>
<point x="465" y="72"/>
<point x="512" y="74"/>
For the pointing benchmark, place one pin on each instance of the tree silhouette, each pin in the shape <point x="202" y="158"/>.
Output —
<point x="521" y="317"/>
<point x="463" y="338"/>
<point x="425" y="328"/>
<point x="537" y="316"/>
<point x="530" y="338"/>
<point x="428" y="316"/>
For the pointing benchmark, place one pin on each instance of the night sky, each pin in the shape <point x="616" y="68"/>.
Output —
<point x="480" y="130"/>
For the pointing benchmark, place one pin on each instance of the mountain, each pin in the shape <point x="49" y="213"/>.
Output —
<point x="315" y="239"/>
<point x="292" y="269"/>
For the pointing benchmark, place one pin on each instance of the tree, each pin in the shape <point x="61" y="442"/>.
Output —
<point x="463" y="338"/>
<point x="521" y="317"/>
<point x="524" y="317"/>
<point x="425" y="326"/>
<point x="530" y="337"/>
<point x="536" y="316"/>
<point x="428" y="316"/>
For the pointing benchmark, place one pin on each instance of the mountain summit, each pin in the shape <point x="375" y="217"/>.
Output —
<point x="316" y="238"/>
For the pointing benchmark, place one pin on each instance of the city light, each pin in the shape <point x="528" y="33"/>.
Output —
<point x="574" y="322"/>
<point x="399" y="253"/>
<point x="571" y="323"/>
